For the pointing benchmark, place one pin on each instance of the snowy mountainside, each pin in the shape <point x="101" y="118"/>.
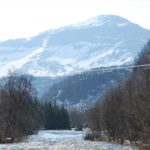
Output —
<point x="101" y="41"/>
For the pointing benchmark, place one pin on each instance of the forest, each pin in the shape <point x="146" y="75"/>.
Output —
<point x="124" y="112"/>
<point x="22" y="114"/>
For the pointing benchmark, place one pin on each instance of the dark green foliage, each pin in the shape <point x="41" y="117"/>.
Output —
<point x="55" y="117"/>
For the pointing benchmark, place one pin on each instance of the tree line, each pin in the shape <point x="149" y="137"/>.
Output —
<point x="22" y="114"/>
<point x="55" y="117"/>
<point x="124" y="112"/>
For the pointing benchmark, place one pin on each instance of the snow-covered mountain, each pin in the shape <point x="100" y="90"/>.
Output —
<point x="101" y="41"/>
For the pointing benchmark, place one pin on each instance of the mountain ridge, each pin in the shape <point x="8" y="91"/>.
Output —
<point x="106" y="40"/>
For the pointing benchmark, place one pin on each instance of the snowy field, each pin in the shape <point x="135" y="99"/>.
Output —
<point x="61" y="140"/>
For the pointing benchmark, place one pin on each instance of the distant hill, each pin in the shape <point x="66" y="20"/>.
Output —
<point x="82" y="90"/>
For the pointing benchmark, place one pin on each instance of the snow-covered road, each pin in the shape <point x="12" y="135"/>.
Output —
<point x="61" y="140"/>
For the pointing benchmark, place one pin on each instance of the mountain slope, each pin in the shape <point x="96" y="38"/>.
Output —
<point x="101" y="41"/>
<point x="82" y="90"/>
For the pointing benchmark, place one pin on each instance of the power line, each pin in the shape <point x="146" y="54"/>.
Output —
<point x="106" y="69"/>
<point x="109" y="69"/>
<point x="118" y="68"/>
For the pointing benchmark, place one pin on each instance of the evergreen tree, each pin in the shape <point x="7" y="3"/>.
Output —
<point x="55" y="117"/>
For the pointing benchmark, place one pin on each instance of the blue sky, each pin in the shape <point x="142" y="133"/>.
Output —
<point x="25" y="18"/>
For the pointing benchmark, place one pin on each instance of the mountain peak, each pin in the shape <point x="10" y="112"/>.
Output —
<point x="103" y="20"/>
<point x="102" y="41"/>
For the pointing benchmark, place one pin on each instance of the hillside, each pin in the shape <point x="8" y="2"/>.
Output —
<point x="82" y="90"/>
<point x="105" y="40"/>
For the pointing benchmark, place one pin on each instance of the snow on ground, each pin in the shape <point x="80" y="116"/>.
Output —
<point x="61" y="140"/>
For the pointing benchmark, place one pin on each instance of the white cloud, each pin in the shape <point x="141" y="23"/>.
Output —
<point x="24" y="18"/>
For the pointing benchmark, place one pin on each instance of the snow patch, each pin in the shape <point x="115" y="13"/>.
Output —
<point x="61" y="140"/>
<point x="122" y="24"/>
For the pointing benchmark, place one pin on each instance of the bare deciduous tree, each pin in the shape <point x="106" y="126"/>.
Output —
<point x="17" y="107"/>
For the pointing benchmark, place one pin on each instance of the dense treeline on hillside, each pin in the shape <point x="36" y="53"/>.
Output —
<point x="22" y="114"/>
<point x="55" y="117"/>
<point x="80" y="90"/>
<point x="124" y="112"/>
